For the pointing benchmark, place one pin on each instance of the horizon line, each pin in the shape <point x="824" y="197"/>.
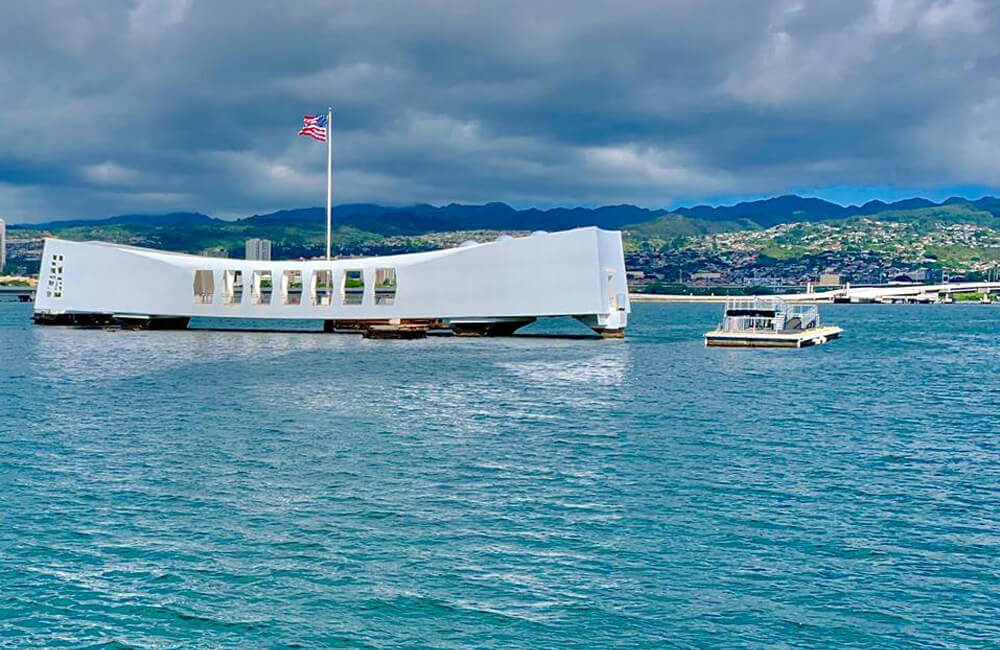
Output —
<point x="722" y="203"/>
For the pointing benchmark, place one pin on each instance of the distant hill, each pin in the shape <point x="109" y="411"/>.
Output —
<point x="670" y="226"/>
<point x="170" y="219"/>
<point x="792" y="209"/>
<point x="770" y="212"/>
<point x="361" y="227"/>
<point x="423" y="218"/>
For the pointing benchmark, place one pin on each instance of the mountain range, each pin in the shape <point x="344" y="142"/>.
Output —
<point x="424" y="218"/>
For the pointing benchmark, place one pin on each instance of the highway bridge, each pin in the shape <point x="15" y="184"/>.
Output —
<point x="883" y="293"/>
<point x="895" y="292"/>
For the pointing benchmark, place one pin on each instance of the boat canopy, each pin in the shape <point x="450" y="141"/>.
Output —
<point x="767" y="315"/>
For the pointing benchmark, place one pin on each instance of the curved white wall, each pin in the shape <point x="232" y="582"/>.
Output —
<point x="575" y="272"/>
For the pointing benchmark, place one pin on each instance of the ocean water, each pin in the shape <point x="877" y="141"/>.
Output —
<point x="272" y="490"/>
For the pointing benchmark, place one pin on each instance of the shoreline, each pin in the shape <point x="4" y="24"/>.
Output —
<point x="673" y="298"/>
<point x="680" y="298"/>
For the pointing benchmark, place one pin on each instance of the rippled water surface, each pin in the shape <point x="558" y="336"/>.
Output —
<point x="250" y="489"/>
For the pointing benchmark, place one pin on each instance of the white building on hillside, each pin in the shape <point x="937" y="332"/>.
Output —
<point x="217" y="251"/>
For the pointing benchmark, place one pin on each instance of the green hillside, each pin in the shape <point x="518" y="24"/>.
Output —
<point x="784" y="228"/>
<point x="674" y="231"/>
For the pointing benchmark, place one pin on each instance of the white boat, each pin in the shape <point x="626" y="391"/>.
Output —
<point x="490" y="288"/>
<point x="770" y="322"/>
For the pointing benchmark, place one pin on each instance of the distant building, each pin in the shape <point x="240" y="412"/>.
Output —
<point x="3" y="245"/>
<point x="829" y="280"/>
<point x="918" y="275"/>
<point x="258" y="249"/>
<point x="215" y="252"/>
<point x="705" y="278"/>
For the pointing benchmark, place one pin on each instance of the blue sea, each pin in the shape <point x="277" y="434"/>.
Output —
<point x="205" y="489"/>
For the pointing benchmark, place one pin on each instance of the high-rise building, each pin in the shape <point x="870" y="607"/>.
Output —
<point x="258" y="249"/>
<point x="3" y="245"/>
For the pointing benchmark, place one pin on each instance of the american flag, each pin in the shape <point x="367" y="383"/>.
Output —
<point x="314" y="126"/>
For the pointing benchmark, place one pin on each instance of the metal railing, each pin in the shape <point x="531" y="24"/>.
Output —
<point x="800" y="316"/>
<point x="747" y="324"/>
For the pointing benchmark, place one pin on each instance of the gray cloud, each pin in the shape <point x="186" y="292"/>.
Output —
<point x="154" y="105"/>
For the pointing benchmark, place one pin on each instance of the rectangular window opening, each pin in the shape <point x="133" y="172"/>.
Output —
<point x="322" y="287"/>
<point x="233" y="294"/>
<point x="204" y="287"/>
<point x="55" y="288"/>
<point x="291" y="284"/>
<point x="260" y="291"/>
<point x="385" y="286"/>
<point x="354" y="287"/>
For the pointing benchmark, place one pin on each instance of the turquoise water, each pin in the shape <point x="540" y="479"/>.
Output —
<point x="224" y="489"/>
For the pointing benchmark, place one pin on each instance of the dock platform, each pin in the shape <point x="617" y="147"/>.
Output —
<point x="400" y="332"/>
<point x="769" y="323"/>
<point x="750" y="339"/>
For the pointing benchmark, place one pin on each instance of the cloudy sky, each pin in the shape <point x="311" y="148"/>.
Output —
<point x="160" y="105"/>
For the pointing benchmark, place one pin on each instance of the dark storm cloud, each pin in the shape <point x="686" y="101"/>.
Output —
<point x="158" y="105"/>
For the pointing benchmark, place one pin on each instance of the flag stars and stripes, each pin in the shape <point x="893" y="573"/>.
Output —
<point x="314" y="126"/>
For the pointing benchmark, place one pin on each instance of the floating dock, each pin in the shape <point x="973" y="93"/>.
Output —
<point x="816" y="336"/>
<point x="770" y="323"/>
<point x="476" y="289"/>
<point x="398" y="332"/>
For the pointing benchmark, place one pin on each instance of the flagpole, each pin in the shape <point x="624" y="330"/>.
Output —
<point x="329" y="176"/>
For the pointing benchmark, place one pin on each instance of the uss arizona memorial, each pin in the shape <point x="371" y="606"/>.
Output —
<point x="490" y="288"/>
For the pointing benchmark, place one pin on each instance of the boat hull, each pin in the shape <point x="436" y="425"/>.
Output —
<point x="802" y="339"/>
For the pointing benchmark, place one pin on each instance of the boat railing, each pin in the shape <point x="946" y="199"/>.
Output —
<point x="747" y="324"/>
<point x="754" y="303"/>
<point x="754" y="315"/>
<point x="802" y="316"/>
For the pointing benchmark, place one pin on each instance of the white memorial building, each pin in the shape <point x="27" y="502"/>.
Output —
<point x="490" y="288"/>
